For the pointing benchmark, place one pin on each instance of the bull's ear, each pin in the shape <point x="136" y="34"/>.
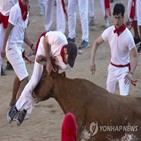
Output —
<point x="63" y="74"/>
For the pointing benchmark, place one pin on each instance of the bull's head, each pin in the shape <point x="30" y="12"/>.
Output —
<point x="45" y="88"/>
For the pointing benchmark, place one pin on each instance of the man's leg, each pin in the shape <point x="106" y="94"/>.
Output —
<point x="16" y="85"/>
<point x="136" y="33"/>
<point x="60" y="17"/>
<point x="72" y="4"/>
<point x="91" y="13"/>
<point x="25" y="103"/>
<point x="21" y="87"/>
<point x="138" y="9"/>
<point x="49" y="14"/>
<point x="83" y="10"/>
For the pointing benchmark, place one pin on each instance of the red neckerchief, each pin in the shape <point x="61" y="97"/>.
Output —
<point x="107" y="8"/>
<point x="24" y="10"/>
<point x="4" y="20"/>
<point x="64" y="8"/>
<point x="37" y="44"/>
<point x="120" y="30"/>
<point x="62" y="53"/>
<point x="133" y="7"/>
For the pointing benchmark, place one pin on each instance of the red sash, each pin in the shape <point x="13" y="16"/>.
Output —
<point x="24" y="10"/>
<point x="133" y="8"/>
<point x="4" y="20"/>
<point x="133" y="82"/>
<point x="107" y="8"/>
<point x="64" y="8"/>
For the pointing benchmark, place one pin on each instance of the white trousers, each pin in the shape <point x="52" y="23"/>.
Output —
<point x="26" y="100"/>
<point x="115" y="80"/>
<point x="129" y="10"/>
<point x="83" y="12"/>
<point x="42" y="4"/>
<point x="91" y="8"/>
<point x="2" y="33"/>
<point x="49" y="16"/>
<point x="138" y="11"/>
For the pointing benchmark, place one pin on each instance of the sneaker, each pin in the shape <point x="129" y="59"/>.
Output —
<point x="84" y="44"/>
<point x="21" y="117"/>
<point x="91" y="21"/>
<point x="106" y="23"/>
<point x="139" y="49"/>
<point x="12" y="113"/>
<point x="9" y="66"/>
<point x="71" y="40"/>
<point x="136" y="40"/>
<point x="42" y="13"/>
<point x="2" y="71"/>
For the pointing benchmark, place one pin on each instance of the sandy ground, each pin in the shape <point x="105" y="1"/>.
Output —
<point x="45" y="122"/>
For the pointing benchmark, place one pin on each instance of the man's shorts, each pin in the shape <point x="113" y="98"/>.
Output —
<point x="14" y="56"/>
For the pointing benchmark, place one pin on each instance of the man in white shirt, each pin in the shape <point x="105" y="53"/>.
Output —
<point x="122" y="46"/>
<point x="52" y="45"/>
<point x="14" y="38"/>
<point x="5" y="6"/>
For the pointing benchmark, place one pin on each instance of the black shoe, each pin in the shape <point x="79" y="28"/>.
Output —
<point x="137" y="40"/>
<point x="12" y="113"/>
<point x="9" y="66"/>
<point x="84" y="44"/>
<point x="139" y="49"/>
<point x="2" y="71"/>
<point x="21" y="117"/>
<point x="71" y="40"/>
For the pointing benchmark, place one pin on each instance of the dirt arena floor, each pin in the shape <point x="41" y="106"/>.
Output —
<point x="45" y="122"/>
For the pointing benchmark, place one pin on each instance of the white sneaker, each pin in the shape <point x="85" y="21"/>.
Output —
<point x="91" y="21"/>
<point x="106" y="23"/>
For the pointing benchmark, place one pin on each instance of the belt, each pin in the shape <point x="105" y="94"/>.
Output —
<point x="121" y="66"/>
<point x="133" y="82"/>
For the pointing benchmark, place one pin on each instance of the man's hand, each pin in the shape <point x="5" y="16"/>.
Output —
<point x="92" y="67"/>
<point x="128" y="78"/>
<point x="41" y="59"/>
<point x="3" y="53"/>
<point x="49" y="67"/>
<point x="33" y="49"/>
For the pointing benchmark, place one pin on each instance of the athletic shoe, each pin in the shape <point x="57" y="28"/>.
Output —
<point x="91" y="21"/>
<point x="71" y="40"/>
<point x="106" y="23"/>
<point x="9" y="66"/>
<point x="137" y="40"/>
<point x="21" y="117"/>
<point x="84" y="44"/>
<point x="12" y="113"/>
<point x="2" y="71"/>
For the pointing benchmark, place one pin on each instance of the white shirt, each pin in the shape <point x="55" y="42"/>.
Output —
<point x="57" y="40"/>
<point x="120" y="45"/>
<point x="6" y="5"/>
<point x="16" y="37"/>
